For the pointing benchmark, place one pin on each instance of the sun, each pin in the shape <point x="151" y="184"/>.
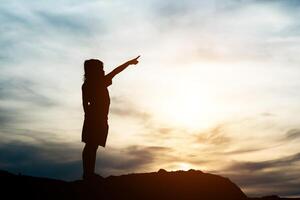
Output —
<point x="189" y="99"/>
<point x="184" y="166"/>
<point x="187" y="108"/>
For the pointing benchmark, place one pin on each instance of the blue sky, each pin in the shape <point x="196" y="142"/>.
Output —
<point x="216" y="89"/>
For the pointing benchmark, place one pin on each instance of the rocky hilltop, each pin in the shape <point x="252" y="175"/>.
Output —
<point x="161" y="185"/>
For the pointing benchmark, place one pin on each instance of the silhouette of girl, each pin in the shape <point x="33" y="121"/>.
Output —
<point x="96" y="102"/>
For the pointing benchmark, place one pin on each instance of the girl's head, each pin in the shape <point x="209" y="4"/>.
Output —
<point x="93" y="70"/>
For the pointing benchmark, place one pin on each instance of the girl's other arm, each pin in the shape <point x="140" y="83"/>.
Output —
<point x="84" y="100"/>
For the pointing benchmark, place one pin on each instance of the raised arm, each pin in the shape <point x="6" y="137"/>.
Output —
<point x="122" y="67"/>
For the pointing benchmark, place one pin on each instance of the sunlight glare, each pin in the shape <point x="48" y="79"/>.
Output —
<point x="184" y="166"/>
<point x="189" y="108"/>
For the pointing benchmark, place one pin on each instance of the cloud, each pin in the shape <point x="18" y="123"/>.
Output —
<point x="56" y="159"/>
<point x="32" y="31"/>
<point x="63" y="22"/>
<point x="130" y="159"/>
<point x="25" y="91"/>
<point x="130" y="112"/>
<point x="292" y="134"/>
<point x="20" y="98"/>
<point x="215" y="136"/>
<point x="284" y="183"/>
<point x="246" y="150"/>
<point x="267" y="114"/>
<point x="290" y="4"/>
<point x="124" y="108"/>
<point x="175" y="11"/>
<point x="9" y="116"/>
<point x="258" y="166"/>
<point x="280" y="176"/>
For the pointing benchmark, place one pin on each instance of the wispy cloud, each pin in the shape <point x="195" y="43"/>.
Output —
<point x="63" y="160"/>
<point x="40" y="159"/>
<point x="216" y="136"/>
<point x="131" y="159"/>
<point x="126" y="109"/>
<point x="292" y="134"/>
<point x="24" y="91"/>
<point x="272" y="176"/>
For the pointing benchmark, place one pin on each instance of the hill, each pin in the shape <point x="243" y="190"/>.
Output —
<point x="161" y="185"/>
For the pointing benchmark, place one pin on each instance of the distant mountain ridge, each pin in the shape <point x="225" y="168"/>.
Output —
<point x="161" y="185"/>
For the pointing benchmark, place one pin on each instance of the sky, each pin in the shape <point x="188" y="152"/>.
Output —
<point x="216" y="89"/>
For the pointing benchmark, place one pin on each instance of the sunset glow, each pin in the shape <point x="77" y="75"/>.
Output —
<point x="216" y="88"/>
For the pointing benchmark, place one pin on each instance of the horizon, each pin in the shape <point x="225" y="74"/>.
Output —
<point x="216" y="88"/>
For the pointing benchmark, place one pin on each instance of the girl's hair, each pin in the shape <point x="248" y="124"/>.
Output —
<point x="92" y="67"/>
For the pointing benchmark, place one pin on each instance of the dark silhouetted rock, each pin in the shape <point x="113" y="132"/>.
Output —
<point x="161" y="185"/>
<point x="172" y="185"/>
<point x="161" y="171"/>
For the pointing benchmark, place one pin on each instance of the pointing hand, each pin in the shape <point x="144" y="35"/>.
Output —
<point x="133" y="61"/>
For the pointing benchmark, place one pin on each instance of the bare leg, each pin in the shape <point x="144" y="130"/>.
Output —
<point x="89" y="160"/>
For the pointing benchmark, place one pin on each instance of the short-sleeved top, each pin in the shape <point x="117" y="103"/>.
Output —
<point x="97" y="96"/>
<point x="95" y="126"/>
